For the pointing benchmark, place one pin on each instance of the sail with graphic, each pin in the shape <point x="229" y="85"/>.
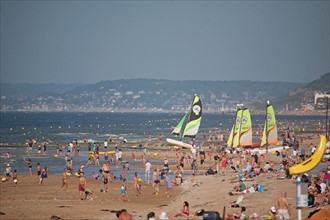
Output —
<point x="189" y="124"/>
<point x="241" y="132"/>
<point x="245" y="138"/>
<point x="178" y="129"/>
<point x="237" y="128"/>
<point x="194" y="119"/>
<point x="269" y="135"/>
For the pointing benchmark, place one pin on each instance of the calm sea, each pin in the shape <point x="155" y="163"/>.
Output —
<point x="18" y="127"/>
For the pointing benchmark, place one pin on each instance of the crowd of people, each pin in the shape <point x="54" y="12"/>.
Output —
<point x="240" y="165"/>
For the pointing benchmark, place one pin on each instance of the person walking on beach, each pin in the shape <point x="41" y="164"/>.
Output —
<point x="123" y="191"/>
<point x="29" y="162"/>
<point x="224" y="165"/>
<point x="147" y="172"/>
<point x="45" y="148"/>
<point x="119" y="158"/>
<point x="82" y="186"/>
<point x="44" y="174"/>
<point x="64" y="180"/>
<point x="8" y="172"/>
<point x="136" y="184"/>
<point x="282" y="208"/>
<point x="169" y="185"/>
<point x="38" y="171"/>
<point x="194" y="170"/>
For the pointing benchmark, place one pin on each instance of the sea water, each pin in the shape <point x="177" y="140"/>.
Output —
<point x="17" y="128"/>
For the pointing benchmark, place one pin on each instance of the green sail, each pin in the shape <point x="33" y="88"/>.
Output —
<point x="269" y="135"/>
<point x="237" y="128"/>
<point x="194" y="119"/>
<point x="177" y="130"/>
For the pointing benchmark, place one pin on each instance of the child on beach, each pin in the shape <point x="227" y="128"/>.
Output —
<point x="169" y="185"/>
<point x="15" y="177"/>
<point x="123" y="191"/>
<point x="194" y="168"/>
<point x="105" y="182"/>
<point x="8" y="172"/>
<point x="95" y="176"/>
<point x="156" y="187"/>
<point x="43" y="175"/>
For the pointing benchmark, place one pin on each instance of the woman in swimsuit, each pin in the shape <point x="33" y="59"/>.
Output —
<point x="64" y="180"/>
<point x="29" y="162"/>
<point x="184" y="211"/>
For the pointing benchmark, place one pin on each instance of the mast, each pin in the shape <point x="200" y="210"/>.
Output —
<point x="241" y="106"/>
<point x="266" y="126"/>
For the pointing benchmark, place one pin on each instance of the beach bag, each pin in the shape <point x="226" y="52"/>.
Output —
<point x="210" y="172"/>
<point x="261" y="188"/>
<point x="311" y="200"/>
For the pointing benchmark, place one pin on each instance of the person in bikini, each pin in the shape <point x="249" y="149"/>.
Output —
<point x="64" y="180"/>
<point x="184" y="211"/>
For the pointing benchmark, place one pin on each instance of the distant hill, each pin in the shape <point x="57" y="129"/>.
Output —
<point x="140" y="95"/>
<point x="28" y="89"/>
<point x="304" y="93"/>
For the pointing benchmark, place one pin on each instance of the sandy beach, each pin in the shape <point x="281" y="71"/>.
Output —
<point x="30" y="200"/>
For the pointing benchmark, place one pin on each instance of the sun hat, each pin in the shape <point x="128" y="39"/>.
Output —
<point x="254" y="215"/>
<point x="163" y="216"/>
<point x="273" y="209"/>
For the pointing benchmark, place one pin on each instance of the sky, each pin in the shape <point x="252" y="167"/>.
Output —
<point x="91" y="41"/>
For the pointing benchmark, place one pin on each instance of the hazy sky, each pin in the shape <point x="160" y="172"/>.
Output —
<point x="91" y="41"/>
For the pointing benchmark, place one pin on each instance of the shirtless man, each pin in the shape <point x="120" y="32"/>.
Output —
<point x="82" y="187"/>
<point x="283" y="153"/>
<point x="282" y="208"/>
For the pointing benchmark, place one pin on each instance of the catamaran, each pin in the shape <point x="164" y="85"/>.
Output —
<point x="189" y="124"/>
<point x="241" y="133"/>
<point x="269" y="134"/>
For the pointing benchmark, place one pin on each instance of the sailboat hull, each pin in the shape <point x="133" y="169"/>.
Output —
<point x="270" y="150"/>
<point x="178" y="143"/>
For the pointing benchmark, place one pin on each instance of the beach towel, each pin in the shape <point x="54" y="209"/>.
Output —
<point x="237" y="203"/>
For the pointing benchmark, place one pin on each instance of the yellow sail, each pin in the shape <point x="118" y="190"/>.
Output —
<point x="245" y="138"/>
<point x="269" y="135"/>
<point x="230" y="138"/>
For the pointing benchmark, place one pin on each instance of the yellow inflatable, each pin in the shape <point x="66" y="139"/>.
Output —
<point x="311" y="162"/>
<point x="109" y="152"/>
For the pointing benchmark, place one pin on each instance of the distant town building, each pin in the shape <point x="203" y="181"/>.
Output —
<point x="321" y="99"/>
